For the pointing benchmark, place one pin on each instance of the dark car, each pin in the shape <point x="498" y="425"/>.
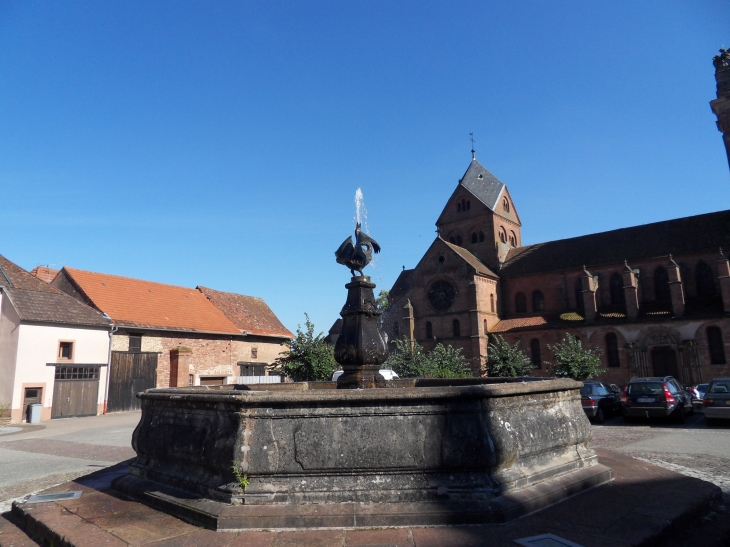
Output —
<point x="701" y="389"/>
<point x="717" y="401"/>
<point x="599" y="400"/>
<point x="656" y="398"/>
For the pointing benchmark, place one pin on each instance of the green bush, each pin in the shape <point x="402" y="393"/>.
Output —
<point x="309" y="357"/>
<point x="411" y="361"/>
<point x="572" y="361"/>
<point x="506" y="360"/>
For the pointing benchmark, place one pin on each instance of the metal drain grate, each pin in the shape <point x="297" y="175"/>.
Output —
<point x="546" y="540"/>
<point x="60" y="496"/>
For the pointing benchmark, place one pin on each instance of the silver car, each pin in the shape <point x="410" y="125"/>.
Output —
<point x="717" y="401"/>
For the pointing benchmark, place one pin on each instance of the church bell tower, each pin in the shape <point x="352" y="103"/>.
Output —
<point x="721" y="105"/>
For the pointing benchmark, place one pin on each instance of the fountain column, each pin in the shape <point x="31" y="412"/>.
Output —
<point x="360" y="348"/>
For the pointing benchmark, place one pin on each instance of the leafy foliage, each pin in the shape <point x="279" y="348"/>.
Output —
<point x="507" y="360"/>
<point x="383" y="300"/>
<point x="309" y="358"/>
<point x="573" y="361"/>
<point x="411" y="361"/>
<point x="241" y="477"/>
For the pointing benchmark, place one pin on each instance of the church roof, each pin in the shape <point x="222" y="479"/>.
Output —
<point x="695" y="234"/>
<point x="470" y="259"/>
<point x="401" y="285"/>
<point x="483" y="184"/>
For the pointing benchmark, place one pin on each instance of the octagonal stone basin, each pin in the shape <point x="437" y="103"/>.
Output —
<point x="464" y="450"/>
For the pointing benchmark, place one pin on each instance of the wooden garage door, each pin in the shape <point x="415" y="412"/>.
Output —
<point x="75" y="391"/>
<point x="129" y="374"/>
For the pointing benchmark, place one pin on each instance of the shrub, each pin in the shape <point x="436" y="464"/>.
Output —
<point x="309" y="357"/>
<point x="506" y="360"/>
<point x="573" y="361"/>
<point x="411" y="361"/>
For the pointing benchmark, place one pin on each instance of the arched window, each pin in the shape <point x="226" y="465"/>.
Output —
<point x="459" y="241"/>
<point x="512" y="239"/>
<point x="491" y="302"/>
<point x="579" y="293"/>
<point x="520" y="303"/>
<point x="505" y="205"/>
<point x="717" y="347"/>
<point x="535" y="351"/>
<point x="485" y="326"/>
<point x="705" y="280"/>
<point x="502" y="234"/>
<point x="468" y="205"/>
<point x="661" y="285"/>
<point x="429" y="330"/>
<point x="538" y="301"/>
<point x="458" y="207"/>
<point x="481" y="236"/>
<point x="474" y="237"/>
<point x="396" y="330"/>
<point x="616" y="285"/>
<point x="457" y="328"/>
<point x="612" y="350"/>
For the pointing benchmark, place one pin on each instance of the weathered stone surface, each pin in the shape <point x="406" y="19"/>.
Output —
<point x="418" y="441"/>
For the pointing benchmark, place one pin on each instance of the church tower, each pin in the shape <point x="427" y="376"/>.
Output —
<point x="481" y="217"/>
<point x="721" y="105"/>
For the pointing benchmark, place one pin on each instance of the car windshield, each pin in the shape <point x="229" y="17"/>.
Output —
<point x="586" y="390"/>
<point x="702" y="387"/>
<point x="720" y="387"/>
<point x="646" y="388"/>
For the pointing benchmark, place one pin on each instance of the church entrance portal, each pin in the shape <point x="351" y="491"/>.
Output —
<point x="664" y="361"/>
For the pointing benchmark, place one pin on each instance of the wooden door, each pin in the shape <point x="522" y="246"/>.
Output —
<point x="129" y="374"/>
<point x="664" y="361"/>
<point x="31" y="395"/>
<point x="75" y="392"/>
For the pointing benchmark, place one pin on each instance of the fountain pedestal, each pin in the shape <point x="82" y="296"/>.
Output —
<point x="360" y="348"/>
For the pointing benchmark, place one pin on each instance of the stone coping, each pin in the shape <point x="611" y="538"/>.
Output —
<point x="417" y="389"/>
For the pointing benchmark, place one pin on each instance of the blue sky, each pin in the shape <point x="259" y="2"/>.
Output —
<point x="221" y="143"/>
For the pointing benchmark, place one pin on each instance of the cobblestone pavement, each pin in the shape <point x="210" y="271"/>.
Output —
<point x="692" y="449"/>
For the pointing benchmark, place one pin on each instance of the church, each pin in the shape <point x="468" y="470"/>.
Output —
<point x="654" y="298"/>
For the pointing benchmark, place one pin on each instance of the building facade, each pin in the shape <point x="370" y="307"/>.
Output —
<point x="54" y="350"/>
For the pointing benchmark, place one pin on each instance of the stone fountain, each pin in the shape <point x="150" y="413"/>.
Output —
<point x="361" y="452"/>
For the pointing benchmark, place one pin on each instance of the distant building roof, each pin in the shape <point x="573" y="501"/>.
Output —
<point x="487" y="188"/>
<point x="44" y="273"/>
<point x="472" y="260"/>
<point x="400" y="287"/>
<point x="695" y="234"/>
<point x="37" y="301"/>
<point x="147" y="304"/>
<point x="248" y="313"/>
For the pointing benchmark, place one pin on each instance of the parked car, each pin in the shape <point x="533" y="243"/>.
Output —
<point x="384" y="372"/>
<point x="701" y="389"/>
<point x="656" y="397"/>
<point x="695" y="394"/>
<point x="599" y="400"/>
<point x="717" y="401"/>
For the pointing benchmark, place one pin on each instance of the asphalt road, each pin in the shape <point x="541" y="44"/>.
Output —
<point x="35" y="457"/>
<point x="693" y="449"/>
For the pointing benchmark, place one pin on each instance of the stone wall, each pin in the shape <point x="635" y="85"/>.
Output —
<point x="212" y="355"/>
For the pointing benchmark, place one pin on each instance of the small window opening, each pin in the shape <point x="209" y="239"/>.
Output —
<point x="457" y="328"/>
<point x="429" y="330"/>
<point x="474" y="237"/>
<point x="505" y="205"/>
<point x="468" y="205"/>
<point x="481" y="237"/>
<point x="491" y="302"/>
<point x="135" y="343"/>
<point x="512" y="239"/>
<point x="65" y="350"/>
<point x="538" y="301"/>
<point x="459" y="241"/>
<point x="520" y="303"/>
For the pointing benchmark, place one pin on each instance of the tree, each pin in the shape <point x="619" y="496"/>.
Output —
<point x="382" y="301"/>
<point x="309" y="358"/>
<point x="572" y="361"/>
<point x="506" y="360"/>
<point x="409" y="360"/>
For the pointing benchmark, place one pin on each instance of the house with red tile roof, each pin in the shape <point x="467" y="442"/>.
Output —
<point x="167" y="335"/>
<point x="54" y="350"/>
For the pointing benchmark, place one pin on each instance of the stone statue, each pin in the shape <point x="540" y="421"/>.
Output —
<point x="722" y="60"/>
<point x="357" y="256"/>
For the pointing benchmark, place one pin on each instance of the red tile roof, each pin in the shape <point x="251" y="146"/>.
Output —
<point x="248" y="313"/>
<point x="137" y="303"/>
<point x="44" y="273"/>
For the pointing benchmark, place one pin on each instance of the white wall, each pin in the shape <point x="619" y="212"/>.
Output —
<point x="9" y="323"/>
<point x="38" y="345"/>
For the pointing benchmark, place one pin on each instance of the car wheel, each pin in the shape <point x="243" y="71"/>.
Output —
<point x="600" y="417"/>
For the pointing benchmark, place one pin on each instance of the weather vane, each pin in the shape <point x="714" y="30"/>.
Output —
<point x="473" y="152"/>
